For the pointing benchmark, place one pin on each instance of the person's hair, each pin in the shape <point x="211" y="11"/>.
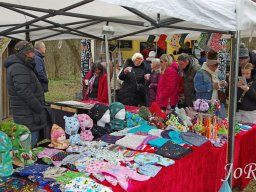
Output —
<point x="166" y="58"/>
<point x="39" y="44"/>
<point x="155" y="63"/>
<point x="97" y="66"/>
<point x="172" y="56"/>
<point x="183" y="57"/>
<point x="248" y="66"/>
<point x="137" y="55"/>
<point x="23" y="47"/>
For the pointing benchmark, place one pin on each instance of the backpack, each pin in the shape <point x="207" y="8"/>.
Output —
<point x="6" y="168"/>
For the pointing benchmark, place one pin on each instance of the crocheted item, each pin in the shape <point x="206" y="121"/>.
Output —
<point x="6" y="168"/>
<point x="173" y="151"/>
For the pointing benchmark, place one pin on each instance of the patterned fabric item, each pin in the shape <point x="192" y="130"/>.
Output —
<point x="47" y="152"/>
<point x="149" y="170"/>
<point x="150" y="159"/>
<point x="82" y="184"/>
<point x="6" y="168"/>
<point x="75" y="149"/>
<point x="148" y="148"/>
<point x="99" y="176"/>
<point x="96" y="166"/>
<point x="142" y="128"/>
<point x="133" y="120"/>
<point x="70" y="159"/>
<point x="117" y="124"/>
<point x="214" y="42"/>
<point x="82" y="162"/>
<point x="36" y="169"/>
<point x="182" y="39"/>
<point x="54" y="172"/>
<point x="175" y="41"/>
<point x="121" y="132"/>
<point x="175" y="137"/>
<point x="57" y="158"/>
<point x="203" y="41"/>
<point x="193" y="138"/>
<point x="110" y="156"/>
<point x="126" y="152"/>
<point x="98" y="131"/>
<point x="173" y="151"/>
<point x="132" y="141"/>
<point x="11" y="184"/>
<point x="110" y="138"/>
<point x="156" y="132"/>
<point x="68" y="176"/>
<point x="165" y="134"/>
<point x="158" y="142"/>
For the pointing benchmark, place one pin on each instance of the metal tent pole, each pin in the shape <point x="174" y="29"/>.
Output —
<point x="233" y="78"/>
<point x="108" y="69"/>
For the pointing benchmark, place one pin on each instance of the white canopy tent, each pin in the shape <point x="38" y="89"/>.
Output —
<point x="66" y="19"/>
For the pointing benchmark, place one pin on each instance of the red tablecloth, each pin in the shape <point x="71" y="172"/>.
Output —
<point x="202" y="170"/>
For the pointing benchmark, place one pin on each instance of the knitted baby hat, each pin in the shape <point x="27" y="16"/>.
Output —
<point x="98" y="111"/>
<point x="115" y="108"/>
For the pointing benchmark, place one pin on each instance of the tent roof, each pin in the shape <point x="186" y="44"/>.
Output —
<point x="66" y="19"/>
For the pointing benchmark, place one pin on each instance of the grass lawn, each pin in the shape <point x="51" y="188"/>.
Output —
<point x="63" y="90"/>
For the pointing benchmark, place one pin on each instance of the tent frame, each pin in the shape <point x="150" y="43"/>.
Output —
<point x="152" y="24"/>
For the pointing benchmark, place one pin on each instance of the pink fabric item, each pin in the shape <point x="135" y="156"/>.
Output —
<point x="123" y="174"/>
<point x="47" y="152"/>
<point x="168" y="86"/>
<point x="86" y="124"/>
<point x="96" y="166"/>
<point x="132" y="141"/>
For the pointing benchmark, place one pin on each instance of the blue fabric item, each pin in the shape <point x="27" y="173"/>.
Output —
<point x="203" y="85"/>
<point x="175" y="138"/>
<point x="149" y="170"/>
<point x="142" y="128"/>
<point x="34" y="138"/>
<point x="225" y="187"/>
<point x="36" y="169"/>
<point x="158" y="142"/>
<point x="193" y="138"/>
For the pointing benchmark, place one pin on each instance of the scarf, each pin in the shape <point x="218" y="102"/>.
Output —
<point x="215" y="79"/>
<point x="117" y="124"/>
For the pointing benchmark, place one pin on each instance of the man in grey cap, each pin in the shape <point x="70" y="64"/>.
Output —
<point x="25" y="91"/>
<point x="246" y="56"/>
<point x="188" y="67"/>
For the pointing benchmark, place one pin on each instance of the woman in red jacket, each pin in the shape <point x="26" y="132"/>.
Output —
<point x="168" y="86"/>
<point x="96" y="84"/>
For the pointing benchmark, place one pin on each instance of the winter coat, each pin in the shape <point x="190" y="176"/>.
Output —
<point x="25" y="93"/>
<point x="129" y="94"/>
<point x="152" y="86"/>
<point x="40" y="69"/>
<point x="168" y="86"/>
<point x="249" y="100"/>
<point x="102" y="95"/>
<point x="188" y="83"/>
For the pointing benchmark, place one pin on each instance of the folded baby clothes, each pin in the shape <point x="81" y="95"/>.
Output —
<point x="150" y="159"/>
<point x="54" y="172"/>
<point x="48" y="152"/>
<point x="193" y="138"/>
<point x="132" y="141"/>
<point x="142" y="128"/>
<point x="158" y="142"/>
<point x="173" y="151"/>
<point x="149" y="170"/>
<point x="83" y="184"/>
<point x="175" y="137"/>
<point x="36" y="169"/>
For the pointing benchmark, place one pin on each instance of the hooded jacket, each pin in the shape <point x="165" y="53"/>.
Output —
<point x="25" y="93"/>
<point x="41" y="72"/>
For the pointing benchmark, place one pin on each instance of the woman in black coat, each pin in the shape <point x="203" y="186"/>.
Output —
<point x="132" y="91"/>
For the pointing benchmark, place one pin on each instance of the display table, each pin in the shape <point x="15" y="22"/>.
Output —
<point x="200" y="171"/>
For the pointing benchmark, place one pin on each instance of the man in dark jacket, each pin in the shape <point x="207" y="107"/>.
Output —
<point x="40" y="65"/>
<point x="25" y="92"/>
<point x="246" y="56"/>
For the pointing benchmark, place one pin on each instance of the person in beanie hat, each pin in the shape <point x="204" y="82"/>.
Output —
<point x="25" y="91"/>
<point x="246" y="56"/>
<point x="117" y="115"/>
<point x="97" y="111"/>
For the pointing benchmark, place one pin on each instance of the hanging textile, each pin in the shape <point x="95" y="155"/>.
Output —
<point x="86" y="56"/>
<point x="224" y="58"/>
<point x="182" y="40"/>
<point x="214" y="42"/>
<point x="203" y="41"/>
<point x="175" y="41"/>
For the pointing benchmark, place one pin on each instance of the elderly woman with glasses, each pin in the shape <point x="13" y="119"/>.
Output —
<point x="207" y="81"/>
<point x="132" y="91"/>
<point x="169" y="82"/>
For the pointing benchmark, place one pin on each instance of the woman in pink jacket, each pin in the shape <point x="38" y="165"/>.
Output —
<point x="168" y="85"/>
